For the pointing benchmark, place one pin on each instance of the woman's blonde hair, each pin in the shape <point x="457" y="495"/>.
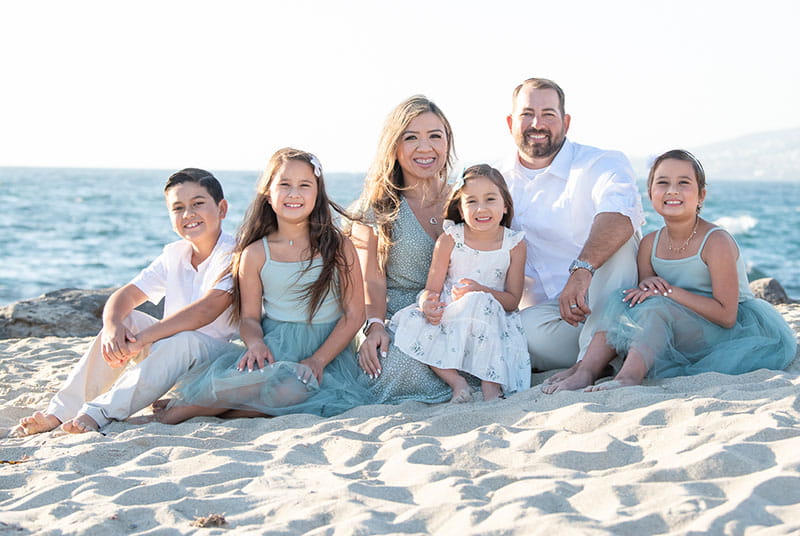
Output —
<point x="384" y="184"/>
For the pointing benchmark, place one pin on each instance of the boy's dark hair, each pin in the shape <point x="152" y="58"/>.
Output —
<point x="201" y="177"/>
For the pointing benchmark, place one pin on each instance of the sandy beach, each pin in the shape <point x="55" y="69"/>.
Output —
<point x="710" y="454"/>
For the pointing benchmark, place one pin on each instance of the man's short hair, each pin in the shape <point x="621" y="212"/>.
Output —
<point x="540" y="83"/>
<point x="199" y="176"/>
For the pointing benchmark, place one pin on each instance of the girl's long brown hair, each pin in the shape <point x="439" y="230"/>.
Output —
<point x="384" y="183"/>
<point x="325" y="239"/>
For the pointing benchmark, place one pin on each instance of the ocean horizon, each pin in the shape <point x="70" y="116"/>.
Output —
<point x="96" y="228"/>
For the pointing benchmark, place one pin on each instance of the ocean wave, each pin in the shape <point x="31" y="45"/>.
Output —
<point x="737" y="224"/>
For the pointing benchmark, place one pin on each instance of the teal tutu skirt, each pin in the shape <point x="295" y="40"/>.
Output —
<point x="676" y="341"/>
<point x="278" y="389"/>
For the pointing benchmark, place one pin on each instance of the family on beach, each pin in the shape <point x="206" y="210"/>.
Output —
<point x="442" y="286"/>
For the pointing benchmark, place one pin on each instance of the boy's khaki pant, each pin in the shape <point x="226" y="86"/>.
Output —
<point x="105" y="393"/>
<point x="552" y="342"/>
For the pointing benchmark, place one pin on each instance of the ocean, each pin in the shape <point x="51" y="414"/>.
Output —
<point x="96" y="228"/>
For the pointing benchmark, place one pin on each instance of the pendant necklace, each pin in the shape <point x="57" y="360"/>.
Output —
<point x="433" y="220"/>
<point x="685" y="244"/>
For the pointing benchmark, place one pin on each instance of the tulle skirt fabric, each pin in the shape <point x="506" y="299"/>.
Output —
<point x="278" y="389"/>
<point x="675" y="341"/>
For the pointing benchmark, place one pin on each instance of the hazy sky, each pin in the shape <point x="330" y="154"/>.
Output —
<point x="221" y="85"/>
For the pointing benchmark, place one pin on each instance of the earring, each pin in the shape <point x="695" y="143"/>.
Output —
<point x="699" y="207"/>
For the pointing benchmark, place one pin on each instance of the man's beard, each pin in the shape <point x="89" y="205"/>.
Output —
<point x="539" y="150"/>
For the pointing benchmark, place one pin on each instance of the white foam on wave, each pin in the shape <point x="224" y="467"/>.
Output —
<point x="737" y="224"/>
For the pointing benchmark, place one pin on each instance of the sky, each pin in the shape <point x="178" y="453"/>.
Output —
<point x="222" y="85"/>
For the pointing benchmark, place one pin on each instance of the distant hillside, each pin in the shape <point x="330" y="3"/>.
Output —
<point x="767" y="155"/>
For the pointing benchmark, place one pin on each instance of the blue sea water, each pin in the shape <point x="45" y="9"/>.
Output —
<point x="95" y="228"/>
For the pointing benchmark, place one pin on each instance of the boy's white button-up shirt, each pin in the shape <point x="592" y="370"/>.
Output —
<point x="556" y="206"/>
<point x="171" y="276"/>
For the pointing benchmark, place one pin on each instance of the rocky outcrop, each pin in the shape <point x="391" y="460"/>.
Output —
<point x="768" y="289"/>
<point x="61" y="313"/>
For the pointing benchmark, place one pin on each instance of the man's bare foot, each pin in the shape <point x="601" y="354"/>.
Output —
<point x="491" y="391"/>
<point x="579" y="379"/>
<point x="616" y="383"/>
<point x="80" y="425"/>
<point x="35" y="424"/>
<point x="561" y="376"/>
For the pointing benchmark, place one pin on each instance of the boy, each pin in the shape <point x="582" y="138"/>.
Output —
<point x="196" y="325"/>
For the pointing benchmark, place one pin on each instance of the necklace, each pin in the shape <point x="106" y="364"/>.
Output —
<point x="433" y="220"/>
<point x="685" y="244"/>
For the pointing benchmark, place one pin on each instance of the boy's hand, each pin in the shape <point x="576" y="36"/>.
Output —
<point x="465" y="285"/>
<point x="114" y="344"/>
<point x="433" y="309"/>
<point x="256" y="356"/>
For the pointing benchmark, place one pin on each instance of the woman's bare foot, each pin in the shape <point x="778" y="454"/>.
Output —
<point x="491" y="391"/>
<point x="461" y="396"/>
<point x="80" y="425"/>
<point x="35" y="424"/>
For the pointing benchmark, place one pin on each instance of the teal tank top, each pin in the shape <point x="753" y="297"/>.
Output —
<point x="692" y="273"/>
<point x="283" y="284"/>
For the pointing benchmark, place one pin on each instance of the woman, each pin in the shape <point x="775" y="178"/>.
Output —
<point x="401" y="216"/>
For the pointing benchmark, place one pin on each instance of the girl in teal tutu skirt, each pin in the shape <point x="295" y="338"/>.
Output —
<point x="300" y="301"/>
<point x="692" y="311"/>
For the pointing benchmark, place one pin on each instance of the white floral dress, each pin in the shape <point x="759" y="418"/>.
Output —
<point x="476" y="334"/>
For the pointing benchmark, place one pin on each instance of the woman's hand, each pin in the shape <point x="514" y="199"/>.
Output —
<point x="465" y="285"/>
<point x="655" y="285"/>
<point x="316" y="368"/>
<point x="377" y="341"/>
<point x="432" y="308"/>
<point x="257" y="355"/>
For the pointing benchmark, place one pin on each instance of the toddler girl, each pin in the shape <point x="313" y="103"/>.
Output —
<point x="466" y="318"/>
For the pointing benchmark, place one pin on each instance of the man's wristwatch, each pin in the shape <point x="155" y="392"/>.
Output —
<point x="577" y="263"/>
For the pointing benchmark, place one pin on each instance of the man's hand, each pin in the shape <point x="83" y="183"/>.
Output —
<point x="572" y="302"/>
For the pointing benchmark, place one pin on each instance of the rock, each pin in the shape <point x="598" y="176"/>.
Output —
<point x="768" y="289"/>
<point x="61" y="313"/>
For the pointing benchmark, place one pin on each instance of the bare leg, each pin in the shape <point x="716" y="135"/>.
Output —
<point x="461" y="391"/>
<point x="491" y="390"/>
<point x="598" y="355"/>
<point x="633" y="371"/>
<point x="178" y="414"/>
<point x="35" y="424"/>
<point x="242" y="414"/>
<point x="80" y="425"/>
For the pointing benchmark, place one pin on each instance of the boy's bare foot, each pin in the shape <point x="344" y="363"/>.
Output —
<point x="80" y="425"/>
<point x="35" y="424"/>
<point x="491" y="391"/>
<point x="161" y="404"/>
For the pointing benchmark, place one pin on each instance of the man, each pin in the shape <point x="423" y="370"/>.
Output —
<point x="581" y="213"/>
<point x="190" y="276"/>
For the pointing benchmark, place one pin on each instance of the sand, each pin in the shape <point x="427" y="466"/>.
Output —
<point x="710" y="454"/>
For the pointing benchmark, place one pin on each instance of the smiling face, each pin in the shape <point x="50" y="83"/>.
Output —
<point x="537" y="125"/>
<point x="674" y="190"/>
<point x="481" y="204"/>
<point x="194" y="214"/>
<point x="293" y="191"/>
<point x="422" y="149"/>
